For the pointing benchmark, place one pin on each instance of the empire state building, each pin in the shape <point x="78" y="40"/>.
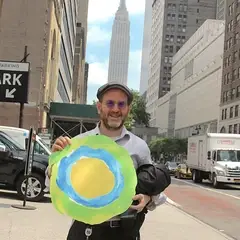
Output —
<point x="119" y="48"/>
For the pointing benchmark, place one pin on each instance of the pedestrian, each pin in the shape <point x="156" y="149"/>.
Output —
<point x="113" y="106"/>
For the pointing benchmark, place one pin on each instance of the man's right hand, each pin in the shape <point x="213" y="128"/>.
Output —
<point x="61" y="143"/>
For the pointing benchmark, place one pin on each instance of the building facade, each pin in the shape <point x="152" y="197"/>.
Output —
<point x="38" y="29"/>
<point x="146" y="47"/>
<point x="173" y="23"/>
<point x="67" y="51"/>
<point x="221" y="7"/>
<point x="79" y="86"/>
<point x="229" y="119"/>
<point x="192" y="105"/>
<point x="119" y="46"/>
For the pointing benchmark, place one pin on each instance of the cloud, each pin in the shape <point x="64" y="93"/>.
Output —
<point x="134" y="69"/>
<point x="97" y="35"/>
<point x="98" y="73"/>
<point x="103" y="10"/>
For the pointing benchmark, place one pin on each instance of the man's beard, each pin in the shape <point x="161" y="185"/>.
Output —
<point x="105" y="121"/>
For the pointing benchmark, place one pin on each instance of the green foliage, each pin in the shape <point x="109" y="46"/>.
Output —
<point x="168" y="147"/>
<point x="138" y="112"/>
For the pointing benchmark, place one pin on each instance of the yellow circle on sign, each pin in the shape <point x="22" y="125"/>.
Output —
<point x="88" y="182"/>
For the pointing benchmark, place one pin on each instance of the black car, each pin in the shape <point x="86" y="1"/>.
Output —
<point x="12" y="167"/>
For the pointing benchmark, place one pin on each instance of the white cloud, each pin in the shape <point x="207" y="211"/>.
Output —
<point x="103" y="10"/>
<point x="98" y="71"/>
<point x="97" y="35"/>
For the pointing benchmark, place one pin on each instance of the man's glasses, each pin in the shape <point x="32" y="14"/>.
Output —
<point x="120" y="104"/>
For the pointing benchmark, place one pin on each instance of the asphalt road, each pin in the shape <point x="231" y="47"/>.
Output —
<point x="219" y="208"/>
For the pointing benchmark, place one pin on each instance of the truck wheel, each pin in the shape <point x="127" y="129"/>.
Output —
<point x="215" y="183"/>
<point x="195" y="176"/>
<point x="35" y="187"/>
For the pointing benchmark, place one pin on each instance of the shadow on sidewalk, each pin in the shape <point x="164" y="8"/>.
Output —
<point x="14" y="196"/>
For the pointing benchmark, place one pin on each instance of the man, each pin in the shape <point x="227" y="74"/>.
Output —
<point x="113" y="107"/>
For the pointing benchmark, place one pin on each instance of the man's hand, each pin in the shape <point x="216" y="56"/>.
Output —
<point x="143" y="201"/>
<point x="61" y="143"/>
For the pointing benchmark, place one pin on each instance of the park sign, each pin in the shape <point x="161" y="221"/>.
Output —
<point x="14" y="79"/>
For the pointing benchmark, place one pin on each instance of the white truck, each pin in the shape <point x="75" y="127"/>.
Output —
<point x="216" y="157"/>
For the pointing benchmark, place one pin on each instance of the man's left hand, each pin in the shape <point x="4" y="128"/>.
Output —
<point x="142" y="199"/>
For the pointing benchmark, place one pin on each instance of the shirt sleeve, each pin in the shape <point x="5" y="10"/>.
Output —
<point x="157" y="201"/>
<point x="144" y="154"/>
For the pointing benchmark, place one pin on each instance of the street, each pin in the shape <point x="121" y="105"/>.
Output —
<point x="219" y="208"/>
<point x="166" y="222"/>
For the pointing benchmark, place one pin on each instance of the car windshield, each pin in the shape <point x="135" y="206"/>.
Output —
<point x="172" y="164"/>
<point x="228" y="155"/>
<point x="13" y="142"/>
<point x="43" y="143"/>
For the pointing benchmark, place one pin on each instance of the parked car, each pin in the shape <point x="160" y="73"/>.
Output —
<point x="12" y="166"/>
<point x="183" y="171"/>
<point x="171" y="166"/>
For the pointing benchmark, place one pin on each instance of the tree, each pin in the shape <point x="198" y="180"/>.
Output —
<point x="168" y="147"/>
<point x="138" y="114"/>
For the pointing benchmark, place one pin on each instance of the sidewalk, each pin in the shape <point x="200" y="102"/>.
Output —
<point x="44" y="223"/>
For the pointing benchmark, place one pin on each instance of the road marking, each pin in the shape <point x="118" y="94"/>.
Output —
<point x="208" y="189"/>
<point x="170" y="201"/>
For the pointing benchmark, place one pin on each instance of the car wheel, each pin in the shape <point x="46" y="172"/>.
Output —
<point x="36" y="185"/>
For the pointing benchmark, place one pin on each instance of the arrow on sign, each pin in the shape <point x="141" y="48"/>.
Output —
<point x="9" y="94"/>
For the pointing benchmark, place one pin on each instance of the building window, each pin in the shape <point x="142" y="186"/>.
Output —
<point x="233" y="93"/>
<point x="235" y="56"/>
<point x="177" y="48"/>
<point x="183" y="39"/>
<point x="234" y="75"/>
<point x="238" y="74"/>
<point x="225" y="113"/>
<point x="236" y="110"/>
<point x="238" y="91"/>
<point x="180" y="7"/>
<point x="236" y="38"/>
<point x="231" y="112"/>
<point x="222" y="114"/>
<point x="230" y="129"/>
<point x="235" y="128"/>
<point x="196" y="20"/>
<point x="171" y="49"/>
<point x="197" y="10"/>
<point x="230" y="10"/>
<point x="238" y="19"/>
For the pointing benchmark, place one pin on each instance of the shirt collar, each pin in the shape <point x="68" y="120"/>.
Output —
<point x="124" y="133"/>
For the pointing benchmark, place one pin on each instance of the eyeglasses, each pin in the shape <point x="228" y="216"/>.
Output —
<point x="120" y="104"/>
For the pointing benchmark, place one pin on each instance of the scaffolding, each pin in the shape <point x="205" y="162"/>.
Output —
<point x="71" y="119"/>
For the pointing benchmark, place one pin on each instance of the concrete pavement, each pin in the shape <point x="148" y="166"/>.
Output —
<point x="44" y="223"/>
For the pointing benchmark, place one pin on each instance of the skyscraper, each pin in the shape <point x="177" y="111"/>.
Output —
<point x="120" y="44"/>
<point x="173" y="23"/>
<point x="146" y="47"/>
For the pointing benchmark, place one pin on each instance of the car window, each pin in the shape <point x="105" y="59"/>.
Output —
<point x="38" y="149"/>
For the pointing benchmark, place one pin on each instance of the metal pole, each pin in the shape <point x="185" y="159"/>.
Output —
<point x="22" y="104"/>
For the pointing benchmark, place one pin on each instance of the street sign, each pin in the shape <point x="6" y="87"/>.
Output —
<point x="14" y="79"/>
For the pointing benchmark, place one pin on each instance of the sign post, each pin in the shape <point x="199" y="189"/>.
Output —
<point x="28" y="169"/>
<point x="14" y="80"/>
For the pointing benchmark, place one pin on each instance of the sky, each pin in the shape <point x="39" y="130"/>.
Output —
<point x="100" y="19"/>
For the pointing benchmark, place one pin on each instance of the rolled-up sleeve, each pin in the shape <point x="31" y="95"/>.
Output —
<point x="145" y="158"/>
<point x="157" y="201"/>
